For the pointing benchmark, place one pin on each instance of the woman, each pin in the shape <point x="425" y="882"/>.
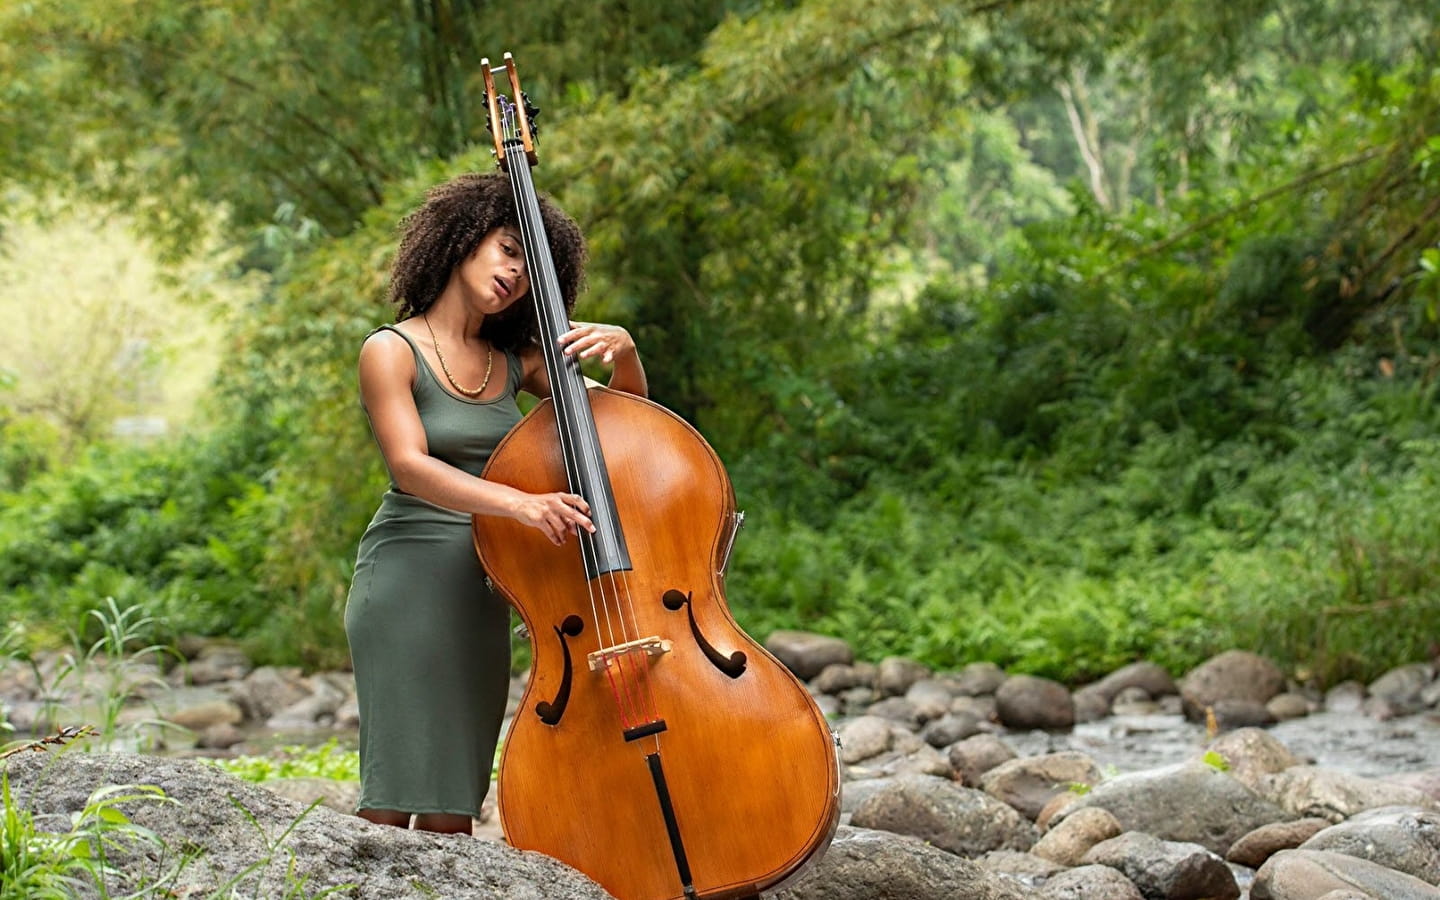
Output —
<point x="429" y="640"/>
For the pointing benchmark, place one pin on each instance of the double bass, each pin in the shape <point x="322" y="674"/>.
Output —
<point x="657" y="748"/>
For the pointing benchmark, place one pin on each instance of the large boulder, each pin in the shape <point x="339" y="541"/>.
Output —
<point x="1190" y="802"/>
<point x="1235" y="675"/>
<point x="257" y="843"/>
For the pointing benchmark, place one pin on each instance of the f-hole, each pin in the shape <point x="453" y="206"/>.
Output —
<point x="732" y="665"/>
<point x="550" y="711"/>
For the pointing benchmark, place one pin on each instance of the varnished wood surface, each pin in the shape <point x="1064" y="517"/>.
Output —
<point x="750" y="761"/>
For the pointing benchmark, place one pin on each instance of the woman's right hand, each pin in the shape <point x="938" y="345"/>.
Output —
<point x="554" y="514"/>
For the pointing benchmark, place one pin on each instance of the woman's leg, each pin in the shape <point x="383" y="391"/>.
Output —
<point x="443" y="823"/>
<point x="385" y="817"/>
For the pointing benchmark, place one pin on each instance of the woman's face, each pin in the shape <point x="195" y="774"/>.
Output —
<point x="494" y="275"/>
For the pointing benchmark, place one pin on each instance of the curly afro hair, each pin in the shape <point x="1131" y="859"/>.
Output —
<point x="448" y="227"/>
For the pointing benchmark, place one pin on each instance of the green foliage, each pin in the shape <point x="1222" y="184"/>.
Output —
<point x="327" y="760"/>
<point x="1052" y="334"/>
<point x="1215" y="761"/>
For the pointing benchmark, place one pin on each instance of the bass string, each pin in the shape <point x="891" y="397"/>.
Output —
<point x="634" y="695"/>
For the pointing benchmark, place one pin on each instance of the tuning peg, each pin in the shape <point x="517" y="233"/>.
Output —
<point x="531" y="111"/>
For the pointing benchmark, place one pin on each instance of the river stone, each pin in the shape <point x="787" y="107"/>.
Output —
<point x="1017" y="865"/>
<point x="1155" y="681"/>
<point x="232" y="823"/>
<point x="1427" y="781"/>
<point x="216" y="663"/>
<point x="930" y="697"/>
<point x="1189" y="802"/>
<point x="1091" y="883"/>
<point x="269" y="689"/>
<point x="974" y="756"/>
<point x="1232" y="675"/>
<point x="1264" y="842"/>
<point x="1402" y="686"/>
<point x="1028" y="784"/>
<point x="1091" y="704"/>
<point x="950" y="728"/>
<point x="978" y="679"/>
<point x="807" y="654"/>
<point x="1401" y="838"/>
<point x="897" y="673"/>
<point x="959" y="819"/>
<point x="1332" y="795"/>
<point x="1347" y="696"/>
<point x="1252" y="753"/>
<point x="1068" y="842"/>
<point x="837" y="678"/>
<point x="862" y="864"/>
<point x="1166" y="870"/>
<point x="1302" y="874"/>
<point x="862" y="738"/>
<point x="1028" y="701"/>
<point x="1286" y="706"/>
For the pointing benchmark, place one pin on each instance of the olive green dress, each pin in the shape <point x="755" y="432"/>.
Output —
<point x="429" y="640"/>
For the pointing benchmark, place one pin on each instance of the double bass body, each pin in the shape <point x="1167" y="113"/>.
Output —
<point x="705" y="769"/>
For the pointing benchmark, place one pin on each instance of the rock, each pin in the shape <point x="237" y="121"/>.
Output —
<point x="864" y="865"/>
<point x="1155" y="681"/>
<point x="1401" y="838"/>
<point x="1264" y="842"/>
<point x="220" y="736"/>
<point x="974" y="756"/>
<point x="1302" y="874"/>
<point x="978" y="679"/>
<point x="1091" y="883"/>
<point x="1283" y="707"/>
<point x="217" y="662"/>
<point x="1188" y="803"/>
<point x="203" y="715"/>
<point x="931" y="698"/>
<point x="1068" y="842"/>
<point x="950" y="728"/>
<point x="1058" y="804"/>
<point x="982" y="708"/>
<point x="1091" y="704"/>
<point x="1403" y="686"/>
<point x="1335" y="796"/>
<point x="269" y="689"/>
<point x="838" y="677"/>
<point x="1232" y="675"/>
<point x="896" y="674"/>
<point x="1426" y="781"/>
<point x="1232" y="714"/>
<point x="321" y="849"/>
<point x="863" y="738"/>
<point x="1028" y="784"/>
<point x="958" y="819"/>
<point x="896" y="709"/>
<point x="1347" y="696"/>
<point x="807" y="654"/>
<point x="317" y="708"/>
<point x="1027" y="701"/>
<point x="1166" y="870"/>
<point x="1252" y="753"/>
<point x="1019" y="866"/>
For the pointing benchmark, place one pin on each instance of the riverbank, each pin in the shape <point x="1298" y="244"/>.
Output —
<point x="1226" y="779"/>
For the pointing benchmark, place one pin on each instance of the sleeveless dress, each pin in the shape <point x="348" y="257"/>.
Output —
<point x="429" y="639"/>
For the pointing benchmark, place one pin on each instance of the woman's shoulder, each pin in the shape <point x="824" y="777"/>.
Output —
<point x="388" y="348"/>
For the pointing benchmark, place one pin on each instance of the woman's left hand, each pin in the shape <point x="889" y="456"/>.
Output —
<point x="588" y="339"/>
